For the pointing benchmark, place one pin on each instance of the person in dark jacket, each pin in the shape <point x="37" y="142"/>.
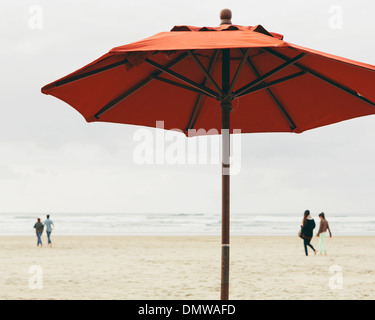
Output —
<point x="39" y="230"/>
<point x="308" y="225"/>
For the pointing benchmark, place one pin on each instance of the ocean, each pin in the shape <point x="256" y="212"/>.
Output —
<point x="127" y="224"/>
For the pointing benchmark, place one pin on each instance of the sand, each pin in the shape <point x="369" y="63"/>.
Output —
<point x="185" y="268"/>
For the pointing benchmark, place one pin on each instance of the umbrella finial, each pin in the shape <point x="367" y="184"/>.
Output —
<point x="225" y="16"/>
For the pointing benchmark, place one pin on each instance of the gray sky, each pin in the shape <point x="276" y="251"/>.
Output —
<point x="51" y="160"/>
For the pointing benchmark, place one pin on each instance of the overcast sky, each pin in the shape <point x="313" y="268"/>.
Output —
<point x="52" y="161"/>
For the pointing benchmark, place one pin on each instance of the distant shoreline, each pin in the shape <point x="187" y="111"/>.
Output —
<point x="182" y="224"/>
<point x="175" y="236"/>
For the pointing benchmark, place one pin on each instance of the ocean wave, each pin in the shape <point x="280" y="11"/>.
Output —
<point x="180" y="224"/>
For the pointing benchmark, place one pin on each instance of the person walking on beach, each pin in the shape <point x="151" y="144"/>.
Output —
<point x="308" y="225"/>
<point x="49" y="223"/>
<point x="39" y="230"/>
<point x="322" y="233"/>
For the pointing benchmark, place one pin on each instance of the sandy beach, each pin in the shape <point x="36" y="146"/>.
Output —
<point x="184" y="268"/>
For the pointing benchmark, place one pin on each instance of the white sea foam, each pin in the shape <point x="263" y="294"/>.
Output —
<point x="181" y="224"/>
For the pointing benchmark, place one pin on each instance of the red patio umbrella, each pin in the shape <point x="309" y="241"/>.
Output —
<point x="188" y="78"/>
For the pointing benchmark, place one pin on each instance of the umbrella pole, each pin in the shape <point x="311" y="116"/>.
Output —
<point x="226" y="107"/>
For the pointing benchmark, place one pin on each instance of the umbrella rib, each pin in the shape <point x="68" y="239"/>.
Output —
<point x="240" y="66"/>
<point x="205" y="72"/>
<point x="268" y="74"/>
<point x="195" y="113"/>
<point x="182" y="78"/>
<point x="184" y="86"/>
<point x="135" y="88"/>
<point x="90" y="73"/>
<point x="324" y="78"/>
<point x="278" y="104"/>
<point x="271" y="83"/>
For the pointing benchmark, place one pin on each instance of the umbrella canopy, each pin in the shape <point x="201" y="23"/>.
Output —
<point x="228" y="77"/>
<point x="279" y="87"/>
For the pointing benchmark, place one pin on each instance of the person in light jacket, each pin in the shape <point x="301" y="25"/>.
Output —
<point x="49" y="224"/>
